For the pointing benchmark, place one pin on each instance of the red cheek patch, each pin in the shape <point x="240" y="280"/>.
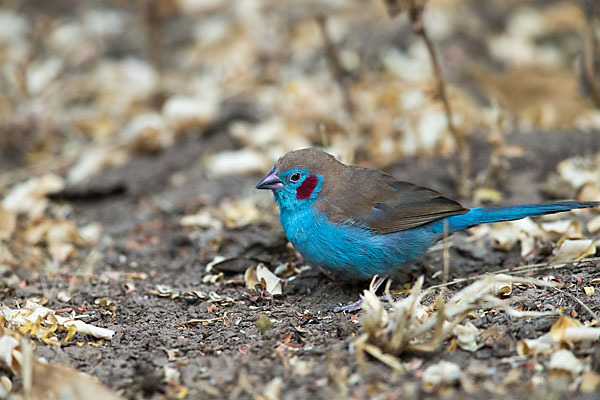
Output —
<point x="306" y="189"/>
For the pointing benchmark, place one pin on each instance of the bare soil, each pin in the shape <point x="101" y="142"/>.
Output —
<point x="217" y="346"/>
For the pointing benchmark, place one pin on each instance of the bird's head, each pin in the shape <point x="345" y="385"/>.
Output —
<point x="299" y="177"/>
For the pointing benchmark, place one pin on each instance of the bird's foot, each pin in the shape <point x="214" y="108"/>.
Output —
<point x="348" y="307"/>
<point x="356" y="305"/>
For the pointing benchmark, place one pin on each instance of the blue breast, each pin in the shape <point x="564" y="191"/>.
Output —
<point x="349" y="251"/>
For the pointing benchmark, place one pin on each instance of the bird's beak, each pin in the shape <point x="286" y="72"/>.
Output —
<point x="270" y="181"/>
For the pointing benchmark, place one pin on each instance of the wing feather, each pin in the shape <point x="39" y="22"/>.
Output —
<point x="378" y="202"/>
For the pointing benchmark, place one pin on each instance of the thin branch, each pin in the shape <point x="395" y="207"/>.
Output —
<point x="589" y="60"/>
<point x="416" y="17"/>
<point x="516" y="270"/>
<point x="585" y="307"/>
<point x="339" y="72"/>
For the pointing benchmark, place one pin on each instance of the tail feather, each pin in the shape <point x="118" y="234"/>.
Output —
<point x="487" y="215"/>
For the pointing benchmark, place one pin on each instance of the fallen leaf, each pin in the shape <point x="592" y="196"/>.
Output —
<point x="441" y="374"/>
<point x="590" y="382"/>
<point x="262" y="275"/>
<point x="29" y="197"/>
<point x="593" y="226"/>
<point x="8" y="223"/>
<point x="467" y="337"/>
<point x="574" y="249"/>
<point x="565" y="361"/>
<point x="56" y="381"/>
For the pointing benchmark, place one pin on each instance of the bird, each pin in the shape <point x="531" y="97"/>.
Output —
<point x="357" y="222"/>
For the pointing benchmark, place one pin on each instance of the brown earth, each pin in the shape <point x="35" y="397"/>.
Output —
<point x="308" y="349"/>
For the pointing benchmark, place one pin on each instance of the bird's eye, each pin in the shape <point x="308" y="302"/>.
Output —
<point x="295" y="177"/>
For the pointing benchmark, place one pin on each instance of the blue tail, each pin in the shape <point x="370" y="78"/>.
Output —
<point x="487" y="215"/>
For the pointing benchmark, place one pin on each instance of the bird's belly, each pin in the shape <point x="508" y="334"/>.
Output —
<point x="350" y="252"/>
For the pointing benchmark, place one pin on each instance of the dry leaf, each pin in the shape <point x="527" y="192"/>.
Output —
<point x="7" y="345"/>
<point x="578" y="170"/>
<point x="29" y="197"/>
<point x="93" y="161"/>
<point x="574" y="250"/>
<point x="262" y="275"/>
<point x="565" y="361"/>
<point x="8" y="223"/>
<point x="148" y="133"/>
<point x="589" y="290"/>
<point x="62" y="238"/>
<point x="590" y="382"/>
<point x="441" y="374"/>
<point x="237" y="162"/>
<point x="184" y="113"/>
<point x="55" y="381"/>
<point x="203" y="219"/>
<point x="590" y="191"/>
<point x="594" y="225"/>
<point x="502" y="288"/>
<point x="533" y="347"/>
<point x="240" y="213"/>
<point x="559" y="328"/>
<point x="41" y="322"/>
<point x="467" y="337"/>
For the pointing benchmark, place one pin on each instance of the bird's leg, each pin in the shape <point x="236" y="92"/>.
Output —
<point x="355" y="305"/>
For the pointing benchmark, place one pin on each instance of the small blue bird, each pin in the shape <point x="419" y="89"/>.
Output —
<point x="358" y="222"/>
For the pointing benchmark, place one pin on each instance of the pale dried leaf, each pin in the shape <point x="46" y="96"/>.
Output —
<point x="262" y="275"/>
<point x="467" y="337"/>
<point x="559" y="328"/>
<point x="593" y="226"/>
<point x="148" y="133"/>
<point x="55" y="381"/>
<point x="269" y="280"/>
<point x="574" y="250"/>
<point x="564" y="360"/>
<point x="237" y="162"/>
<point x="203" y="219"/>
<point x="95" y="160"/>
<point x="441" y="374"/>
<point x="590" y="382"/>
<point x="8" y="223"/>
<point x="7" y="345"/>
<point x="29" y="197"/>
<point x="533" y="347"/>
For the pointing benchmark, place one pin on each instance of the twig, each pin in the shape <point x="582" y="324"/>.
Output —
<point x="589" y="45"/>
<point x="203" y="321"/>
<point x="515" y="270"/>
<point x="440" y="299"/>
<point x="416" y="17"/>
<point x="339" y="72"/>
<point x="151" y="13"/>
<point x="585" y="307"/>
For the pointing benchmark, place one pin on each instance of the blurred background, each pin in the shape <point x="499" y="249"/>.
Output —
<point x="84" y="85"/>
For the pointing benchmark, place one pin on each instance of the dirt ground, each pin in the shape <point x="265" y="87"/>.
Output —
<point x="217" y="346"/>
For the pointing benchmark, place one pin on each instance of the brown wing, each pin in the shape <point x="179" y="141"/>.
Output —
<point x="378" y="202"/>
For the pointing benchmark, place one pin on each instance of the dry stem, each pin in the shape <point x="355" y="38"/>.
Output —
<point x="416" y="17"/>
